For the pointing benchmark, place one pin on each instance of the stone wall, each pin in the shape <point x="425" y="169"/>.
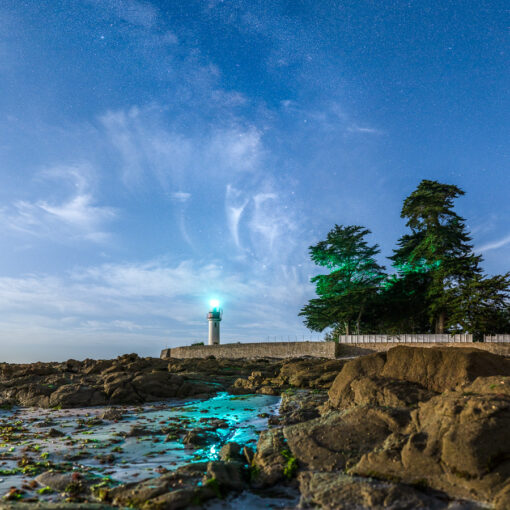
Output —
<point x="315" y="349"/>
<point x="256" y="350"/>
<point x="346" y="350"/>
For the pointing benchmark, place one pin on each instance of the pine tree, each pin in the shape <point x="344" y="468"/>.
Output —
<point x="353" y="282"/>
<point x="439" y="249"/>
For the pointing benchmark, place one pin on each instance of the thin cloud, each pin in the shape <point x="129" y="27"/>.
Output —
<point x="77" y="215"/>
<point x="364" y="129"/>
<point x="154" y="302"/>
<point x="235" y="205"/>
<point x="494" y="245"/>
<point x="148" y="149"/>
<point x="180" y="196"/>
<point x="134" y="12"/>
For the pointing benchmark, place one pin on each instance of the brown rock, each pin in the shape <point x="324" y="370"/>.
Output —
<point x="77" y="395"/>
<point x="435" y="369"/>
<point x="339" y="439"/>
<point x="269" y="463"/>
<point x="335" y="491"/>
<point x="456" y="442"/>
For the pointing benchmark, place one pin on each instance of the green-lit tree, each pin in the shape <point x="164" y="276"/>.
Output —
<point x="438" y="251"/>
<point x="345" y="294"/>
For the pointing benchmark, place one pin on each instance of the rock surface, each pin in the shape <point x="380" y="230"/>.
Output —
<point x="433" y="369"/>
<point x="433" y="418"/>
<point x="130" y="379"/>
<point x="333" y="491"/>
<point x="410" y="428"/>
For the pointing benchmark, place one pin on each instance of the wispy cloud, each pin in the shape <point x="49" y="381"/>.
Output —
<point x="180" y="196"/>
<point x="150" y="148"/>
<point x="235" y="204"/>
<point x="134" y="12"/>
<point x="133" y="302"/>
<point x="77" y="215"/>
<point x="494" y="245"/>
<point x="354" y="128"/>
<point x="273" y="225"/>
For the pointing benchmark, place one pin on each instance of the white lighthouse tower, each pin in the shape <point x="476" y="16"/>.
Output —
<point x="214" y="318"/>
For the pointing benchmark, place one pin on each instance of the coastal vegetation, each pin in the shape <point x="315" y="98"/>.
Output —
<point x="436" y="283"/>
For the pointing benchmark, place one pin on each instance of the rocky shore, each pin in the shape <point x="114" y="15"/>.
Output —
<point x="410" y="428"/>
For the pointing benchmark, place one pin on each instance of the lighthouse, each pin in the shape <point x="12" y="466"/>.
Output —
<point x="214" y="318"/>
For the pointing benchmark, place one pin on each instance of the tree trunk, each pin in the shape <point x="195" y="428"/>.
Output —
<point x="346" y="328"/>
<point x="440" y="323"/>
<point x="358" y="319"/>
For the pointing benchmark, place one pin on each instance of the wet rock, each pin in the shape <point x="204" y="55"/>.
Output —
<point x="231" y="452"/>
<point x="77" y="395"/>
<point x="30" y="395"/>
<point x="335" y="491"/>
<point x="297" y="373"/>
<point x="248" y="454"/>
<point x="137" y="431"/>
<point x="128" y="379"/>
<point x="298" y="406"/>
<point x="269" y="461"/>
<point x="198" y="438"/>
<point x="55" y="433"/>
<point x="156" y="385"/>
<point x="112" y="414"/>
<point x="46" y="505"/>
<point x="181" y="488"/>
<point x="57" y="481"/>
<point x="339" y="439"/>
<point x="227" y="475"/>
<point x="456" y="442"/>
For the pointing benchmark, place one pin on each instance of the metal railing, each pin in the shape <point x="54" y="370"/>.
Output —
<point x="405" y="338"/>
<point x="496" y="338"/>
<point x="296" y="338"/>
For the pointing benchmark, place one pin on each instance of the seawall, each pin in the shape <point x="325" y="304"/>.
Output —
<point x="255" y="350"/>
<point x="315" y="349"/>
<point x="346" y="350"/>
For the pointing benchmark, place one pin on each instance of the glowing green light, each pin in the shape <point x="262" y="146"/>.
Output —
<point x="214" y="303"/>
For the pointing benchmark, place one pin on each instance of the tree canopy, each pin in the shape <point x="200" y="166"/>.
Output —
<point x="437" y="284"/>
<point x="352" y="283"/>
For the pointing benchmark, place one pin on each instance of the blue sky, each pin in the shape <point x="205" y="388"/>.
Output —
<point x="154" y="155"/>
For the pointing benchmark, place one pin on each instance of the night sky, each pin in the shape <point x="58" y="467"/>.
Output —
<point x="155" y="155"/>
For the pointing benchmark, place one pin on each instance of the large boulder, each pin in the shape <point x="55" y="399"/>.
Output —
<point x="339" y="439"/>
<point x="434" y="369"/>
<point x="77" y="395"/>
<point x="310" y="372"/>
<point x="335" y="491"/>
<point x="178" y="489"/>
<point x="458" y="442"/>
<point x="270" y="460"/>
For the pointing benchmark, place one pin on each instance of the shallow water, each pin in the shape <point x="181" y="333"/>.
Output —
<point x="88" y="442"/>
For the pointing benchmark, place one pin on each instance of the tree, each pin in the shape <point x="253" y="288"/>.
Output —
<point x="439" y="250"/>
<point x="352" y="284"/>
<point x="481" y="305"/>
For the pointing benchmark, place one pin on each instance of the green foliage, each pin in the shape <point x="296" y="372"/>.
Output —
<point x="45" y="490"/>
<point x="291" y="465"/>
<point x="215" y="486"/>
<point x="438" y="284"/>
<point x="455" y="295"/>
<point x="352" y="283"/>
